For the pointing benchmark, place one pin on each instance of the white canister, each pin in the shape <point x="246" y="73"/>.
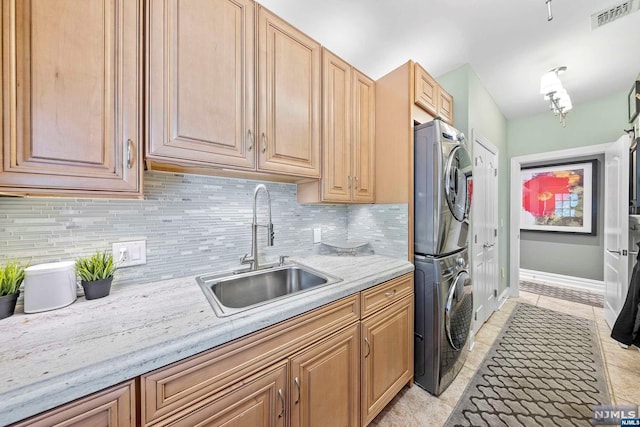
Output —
<point x="49" y="286"/>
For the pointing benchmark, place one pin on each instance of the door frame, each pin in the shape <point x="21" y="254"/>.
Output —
<point x="515" y="198"/>
<point x="479" y="139"/>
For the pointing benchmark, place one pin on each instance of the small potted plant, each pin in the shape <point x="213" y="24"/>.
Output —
<point x="96" y="274"/>
<point x="11" y="276"/>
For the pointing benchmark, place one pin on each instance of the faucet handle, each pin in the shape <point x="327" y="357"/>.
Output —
<point x="244" y="260"/>
<point x="282" y="259"/>
<point x="270" y="234"/>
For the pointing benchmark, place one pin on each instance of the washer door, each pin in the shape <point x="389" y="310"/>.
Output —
<point x="458" y="183"/>
<point x="458" y="311"/>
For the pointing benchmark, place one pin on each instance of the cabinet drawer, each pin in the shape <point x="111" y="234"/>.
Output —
<point x="255" y="401"/>
<point x="388" y="292"/>
<point x="113" y="407"/>
<point x="186" y="383"/>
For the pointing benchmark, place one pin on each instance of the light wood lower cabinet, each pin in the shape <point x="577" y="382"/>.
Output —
<point x="256" y="401"/>
<point x="113" y="407"/>
<point x="324" y="385"/>
<point x="178" y="389"/>
<point x="387" y="363"/>
<point x="327" y="367"/>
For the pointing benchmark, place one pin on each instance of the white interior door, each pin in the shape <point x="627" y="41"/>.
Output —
<point x="616" y="226"/>
<point x="484" y="218"/>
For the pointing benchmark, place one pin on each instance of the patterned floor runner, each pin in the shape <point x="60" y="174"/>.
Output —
<point x="583" y="297"/>
<point x="544" y="369"/>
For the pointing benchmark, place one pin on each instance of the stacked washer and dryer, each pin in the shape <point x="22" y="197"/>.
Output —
<point x="443" y="286"/>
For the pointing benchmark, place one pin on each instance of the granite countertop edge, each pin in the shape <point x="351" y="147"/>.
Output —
<point x="31" y="399"/>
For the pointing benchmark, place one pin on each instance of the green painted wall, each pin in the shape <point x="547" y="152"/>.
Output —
<point x="475" y="111"/>
<point x="589" y="123"/>
<point x="596" y="122"/>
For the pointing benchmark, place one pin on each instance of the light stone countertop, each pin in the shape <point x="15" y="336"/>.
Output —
<point x="51" y="358"/>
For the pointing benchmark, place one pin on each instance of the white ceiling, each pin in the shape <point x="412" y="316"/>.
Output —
<point x="509" y="43"/>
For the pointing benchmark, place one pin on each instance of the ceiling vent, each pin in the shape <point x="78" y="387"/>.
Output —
<point x="612" y="13"/>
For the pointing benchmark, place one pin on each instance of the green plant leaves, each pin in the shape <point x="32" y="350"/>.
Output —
<point x="95" y="267"/>
<point x="11" y="276"/>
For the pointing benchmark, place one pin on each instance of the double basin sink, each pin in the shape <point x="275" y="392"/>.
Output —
<point x="230" y="293"/>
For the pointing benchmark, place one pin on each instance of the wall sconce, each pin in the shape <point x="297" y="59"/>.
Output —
<point x="551" y="88"/>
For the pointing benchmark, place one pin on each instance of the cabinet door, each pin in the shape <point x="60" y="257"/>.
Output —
<point x="289" y="98"/>
<point x="336" y="118"/>
<point x="387" y="351"/>
<point x="258" y="401"/>
<point x="324" y="382"/>
<point x="364" y="160"/>
<point x="71" y="96"/>
<point x="201" y="82"/>
<point x="445" y="106"/>
<point x="426" y="90"/>
<point x="113" y="407"/>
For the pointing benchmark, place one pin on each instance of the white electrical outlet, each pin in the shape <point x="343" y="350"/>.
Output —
<point x="317" y="235"/>
<point x="127" y="254"/>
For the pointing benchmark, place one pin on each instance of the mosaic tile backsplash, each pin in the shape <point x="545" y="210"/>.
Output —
<point x="192" y="224"/>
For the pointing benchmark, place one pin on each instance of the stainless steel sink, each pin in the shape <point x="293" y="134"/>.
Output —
<point x="231" y="293"/>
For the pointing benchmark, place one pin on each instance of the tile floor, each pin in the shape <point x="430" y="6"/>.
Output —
<point x="414" y="407"/>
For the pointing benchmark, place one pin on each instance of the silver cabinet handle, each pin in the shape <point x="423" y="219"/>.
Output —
<point x="281" y="395"/>
<point x="366" y="341"/>
<point x="264" y="143"/>
<point x="129" y="157"/>
<point x="390" y="294"/>
<point x="250" y="140"/>
<point x="297" y="382"/>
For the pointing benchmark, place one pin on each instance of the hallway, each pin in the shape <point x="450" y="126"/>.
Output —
<point x="414" y="407"/>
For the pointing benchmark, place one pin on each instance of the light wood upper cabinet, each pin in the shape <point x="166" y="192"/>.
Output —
<point x="113" y="407"/>
<point x="426" y="90"/>
<point x="387" y="349"/>
<point x="324" y="382"/>
<point x="336" y="132"/>
<point x="430" y="96"/>
<point x="71" y="88"/>
<point x="201" y="82"/>
<point x="364" y="113"/>
<point x="445" y="106"/>
<point x="348" y="136"/>
<point x="289" y="101"/>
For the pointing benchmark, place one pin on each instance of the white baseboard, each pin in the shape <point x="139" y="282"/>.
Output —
<point x="503" y="298"/>
<point x="562" y="280"/>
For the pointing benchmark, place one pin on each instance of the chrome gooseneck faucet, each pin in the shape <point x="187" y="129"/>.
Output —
<point x="253" y="260"/>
